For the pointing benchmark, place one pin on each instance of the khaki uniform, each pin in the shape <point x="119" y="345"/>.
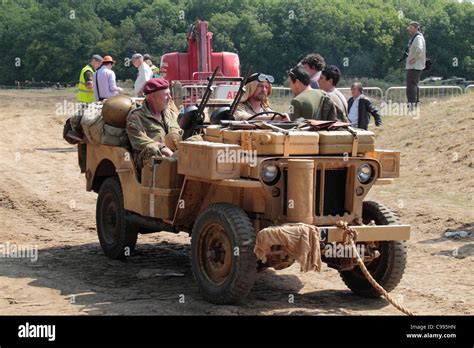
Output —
<point x="147" y="134"/>
<point x="244" y="109"/>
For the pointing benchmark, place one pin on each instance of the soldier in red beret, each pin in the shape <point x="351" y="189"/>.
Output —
<point x="149" y="124"/>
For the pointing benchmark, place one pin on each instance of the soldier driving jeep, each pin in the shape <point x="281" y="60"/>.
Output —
<point x="255" y="99"/>
<point x="149" y="124"/>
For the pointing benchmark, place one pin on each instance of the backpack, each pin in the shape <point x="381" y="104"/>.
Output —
<point x="326" y="109"/>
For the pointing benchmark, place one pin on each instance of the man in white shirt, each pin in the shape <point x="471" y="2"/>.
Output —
<point x="104" y="81"/>
<point x="354" y="109"/>
<point x="361" y="108"/>
<point x="144" y="73"/>
<point x="327" y="82"/>
<point x="415" y="64"/>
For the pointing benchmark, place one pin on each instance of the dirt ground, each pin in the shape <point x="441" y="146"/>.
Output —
<point x="43" y="203"/>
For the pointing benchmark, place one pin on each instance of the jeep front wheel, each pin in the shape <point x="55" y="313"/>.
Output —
<point x="116" y="236"/>
<point x="222" y="257"/>
<point x="389" y="267"/>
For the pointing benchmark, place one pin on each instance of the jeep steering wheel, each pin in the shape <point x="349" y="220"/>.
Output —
<point x="266" y="112"/>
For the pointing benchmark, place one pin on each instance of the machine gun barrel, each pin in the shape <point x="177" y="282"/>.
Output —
<point x="240" y="93"/>
<point x="207" y="94"/>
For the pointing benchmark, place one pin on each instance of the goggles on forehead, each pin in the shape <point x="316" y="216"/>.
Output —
<point x="263" y="77"/>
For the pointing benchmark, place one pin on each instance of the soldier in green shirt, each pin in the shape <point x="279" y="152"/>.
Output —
<point x="308" y="103"/>
<point x="148" y="125"/>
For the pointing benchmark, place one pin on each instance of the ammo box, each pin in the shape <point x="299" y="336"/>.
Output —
<point x="267" y="142"/>
<point x="213" y="134"/>
<point x="209" y="160"/>
<point x="163" y="185"/>
<point x="339" y="142"/>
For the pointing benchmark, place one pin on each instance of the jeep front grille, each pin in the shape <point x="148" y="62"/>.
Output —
<point x="333" y="199"/>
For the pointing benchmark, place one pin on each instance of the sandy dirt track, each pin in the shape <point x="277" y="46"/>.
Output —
<point x="43" y="202"/>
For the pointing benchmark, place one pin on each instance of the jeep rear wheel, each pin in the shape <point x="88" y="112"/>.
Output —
<point x="389" y="267"/>
<point x="117" y="237"/>
<point x="222" y="257"/>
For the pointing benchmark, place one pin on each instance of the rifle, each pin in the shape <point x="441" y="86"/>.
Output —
<point x="193" y="115"/>
<point x="227" y="112"/>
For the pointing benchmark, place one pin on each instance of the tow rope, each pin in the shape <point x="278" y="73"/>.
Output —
<point x="350" y="237"/>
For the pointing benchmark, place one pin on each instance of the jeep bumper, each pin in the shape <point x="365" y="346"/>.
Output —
<point x="330" y="234"/>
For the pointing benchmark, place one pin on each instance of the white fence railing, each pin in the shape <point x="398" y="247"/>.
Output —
<point x="281" y="93"/>
<point x="398" y="94"/>
<point x="374" y="93"/>
<point x="394" y="94"/>
<point x="190" y="93"/>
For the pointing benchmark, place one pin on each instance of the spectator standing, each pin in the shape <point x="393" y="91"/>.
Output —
<point x="144" y="73"/>
<point x="361" y="107"/>
<point x="85" y="94"/>
<point x="415" y="56"/>
<point x="104" y="81"/>
<point x="153" y="67"/>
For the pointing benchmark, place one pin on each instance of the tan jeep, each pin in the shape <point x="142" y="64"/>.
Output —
<point x="242" y="179"/>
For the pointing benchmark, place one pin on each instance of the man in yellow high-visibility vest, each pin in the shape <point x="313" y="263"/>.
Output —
<point x="86" y="91"/>
<point x="85" y="97"/>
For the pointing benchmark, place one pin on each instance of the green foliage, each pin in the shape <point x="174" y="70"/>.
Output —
<point x="52" y="40"/>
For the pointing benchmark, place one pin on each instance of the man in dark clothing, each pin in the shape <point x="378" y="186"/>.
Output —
<point x="360" y="108"/>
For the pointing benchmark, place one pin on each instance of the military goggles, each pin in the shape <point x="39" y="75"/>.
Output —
<point x="263" y="77"/>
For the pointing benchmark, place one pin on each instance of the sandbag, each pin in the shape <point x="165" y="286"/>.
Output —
<point x="92" y="123"/>
<point x="97" y="131"/>
<point x="113" y="135"/>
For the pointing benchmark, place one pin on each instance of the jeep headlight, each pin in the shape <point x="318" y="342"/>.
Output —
<point x="364" y="173"/>
<point x="270" y="173"/>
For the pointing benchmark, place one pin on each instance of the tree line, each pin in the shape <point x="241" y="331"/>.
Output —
<point x="52" y="40"/>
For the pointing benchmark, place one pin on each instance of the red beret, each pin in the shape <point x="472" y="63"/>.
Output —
<point x="154" y="85"/>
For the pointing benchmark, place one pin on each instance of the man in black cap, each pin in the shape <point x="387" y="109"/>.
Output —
<point x="255" y="99"/>
<point x="415" y="56"/>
